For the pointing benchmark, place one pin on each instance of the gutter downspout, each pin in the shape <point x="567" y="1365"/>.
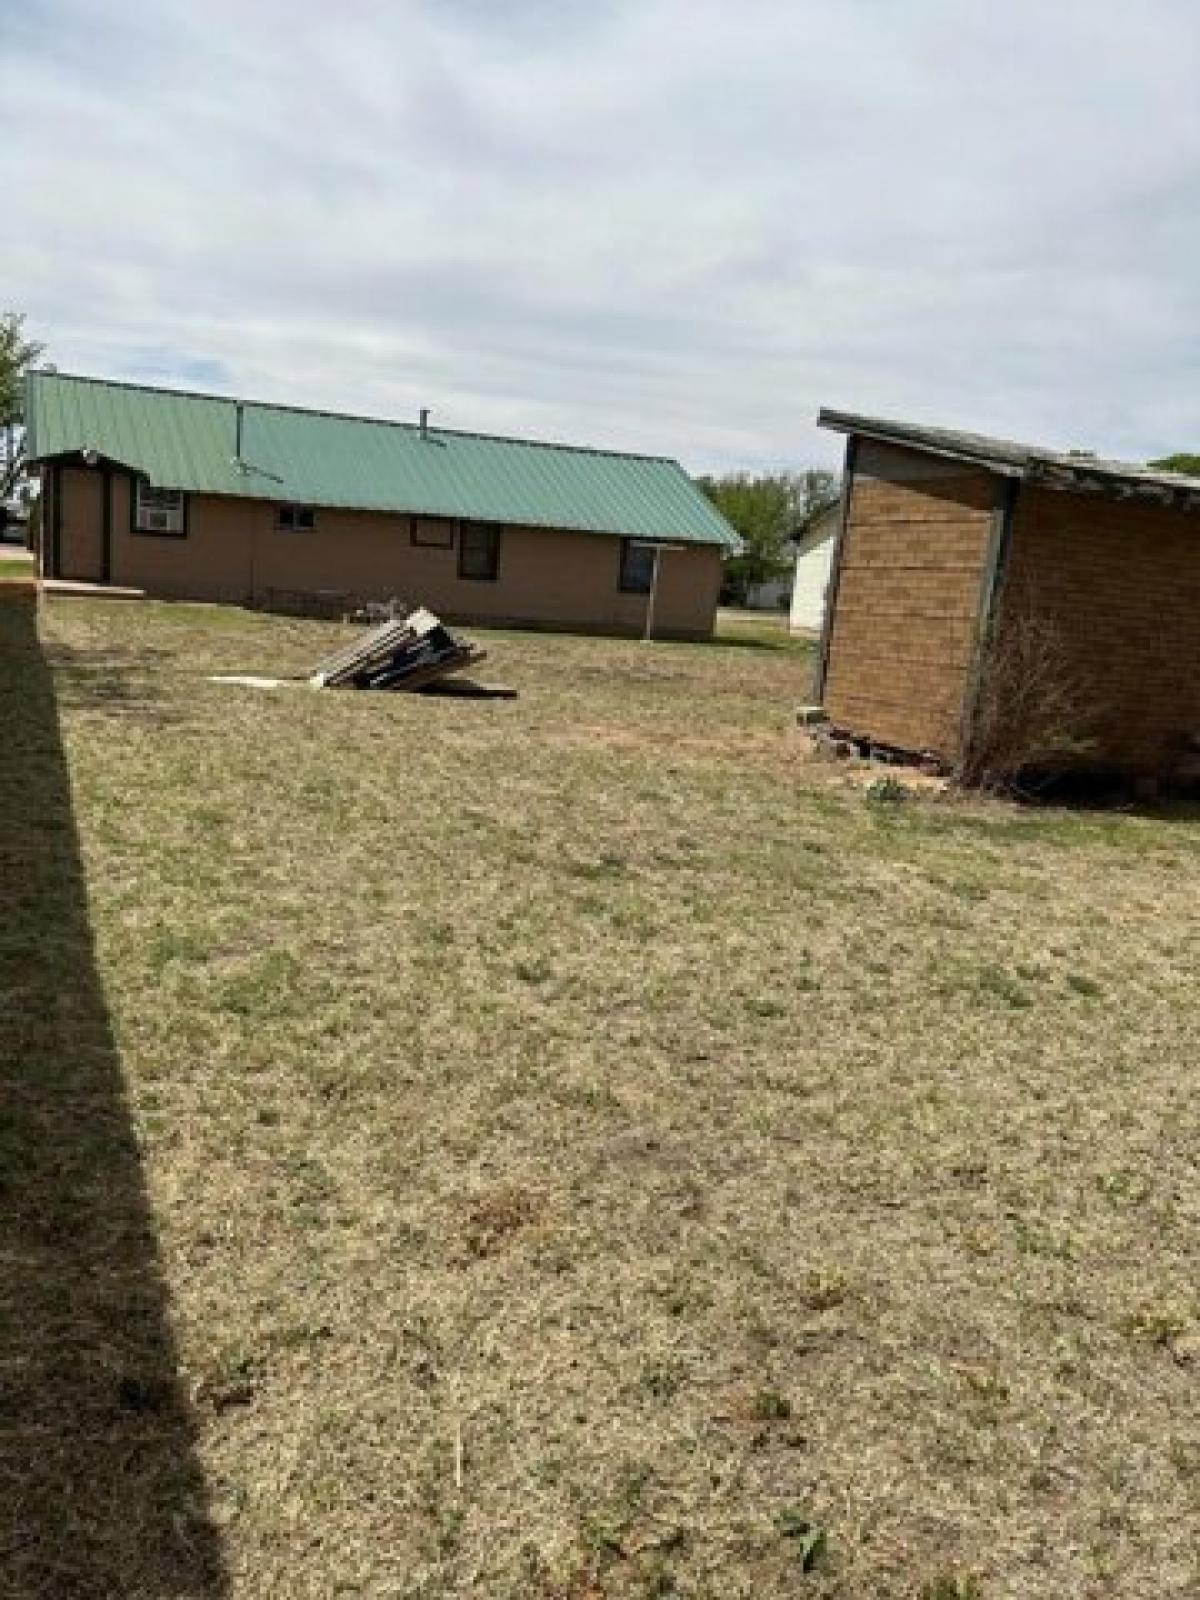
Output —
<point x="835" y="572"/>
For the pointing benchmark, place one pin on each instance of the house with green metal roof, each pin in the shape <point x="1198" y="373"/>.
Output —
<point x="203" y="497"/>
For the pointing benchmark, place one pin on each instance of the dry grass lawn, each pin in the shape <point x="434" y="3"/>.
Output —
<point x="574" y="1148"/>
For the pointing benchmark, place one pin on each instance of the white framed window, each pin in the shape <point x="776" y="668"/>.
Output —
<point x="162" y="511"/>
<point x="296" y="519"/>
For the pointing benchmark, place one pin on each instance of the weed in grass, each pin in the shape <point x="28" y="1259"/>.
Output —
<point x="769" y="1405"/>
<point x="1157" y="1322"/>
<point x="681" y="1296"/>
<point x="986" y="1384"/>
<point x="765" y="1006"/>
<point x="1082" y="984"/>
<point x="1124" y="1187"/>
<point x="496" y="1215"/>
<point x="811" y="1539"/>
<point x="232" y="1381"/>
<point x="823" y="1288"/>
<point x="951" y="1586"/>
<point x="1001" y="985"/>
<point x="664" y="1379"/>
<point x="886" y="791"/>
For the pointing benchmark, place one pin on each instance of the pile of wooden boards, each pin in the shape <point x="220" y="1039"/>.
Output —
<point x="407" y="653"/>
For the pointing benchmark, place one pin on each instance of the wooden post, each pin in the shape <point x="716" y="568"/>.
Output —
<point x="650" y="598"/>
<point x="660" y="549"/>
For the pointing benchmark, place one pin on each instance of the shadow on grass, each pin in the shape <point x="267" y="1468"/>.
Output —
<point x="101" y="1492"/>
<point x="112" y="684"/>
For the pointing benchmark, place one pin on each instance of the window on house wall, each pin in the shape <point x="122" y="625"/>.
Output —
<point x="296" y="519"/>
<point x="637" y="567"/>
<point x="436" y="532"/>
<point x="162" y="511"/>
<point x="478" y="550"/>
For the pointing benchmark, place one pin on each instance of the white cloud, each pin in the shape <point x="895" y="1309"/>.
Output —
<point x="668" y="224"/>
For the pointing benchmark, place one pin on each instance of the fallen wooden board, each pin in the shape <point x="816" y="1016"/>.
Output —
<point x="401" y="654"/>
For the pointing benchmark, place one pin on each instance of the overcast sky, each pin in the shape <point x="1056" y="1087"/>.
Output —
<point x="669" y="225"/>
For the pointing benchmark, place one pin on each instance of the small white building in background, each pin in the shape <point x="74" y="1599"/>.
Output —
<point x="814" y="564"/>
<point x="774" y="595"/>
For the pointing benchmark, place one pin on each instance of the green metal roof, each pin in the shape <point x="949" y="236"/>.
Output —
<point x="188" y="441"/>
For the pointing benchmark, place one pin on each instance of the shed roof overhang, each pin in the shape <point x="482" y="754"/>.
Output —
<point x="1051" y="469"/>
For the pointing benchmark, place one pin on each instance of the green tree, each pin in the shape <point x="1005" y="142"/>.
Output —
<point x="768" y="510"/>
<point x="17" y="353"/>
<point x="1183" y="462"/>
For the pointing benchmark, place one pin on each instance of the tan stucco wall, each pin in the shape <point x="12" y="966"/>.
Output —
<point x="234" y="552"/>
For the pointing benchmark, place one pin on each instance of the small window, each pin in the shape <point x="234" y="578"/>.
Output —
<point x="478" y="550"/>
<point x="296" y="519"/>
<point x="637" y="567"/>
<point x="160" y="511"/>
<point x="436" y="532"/>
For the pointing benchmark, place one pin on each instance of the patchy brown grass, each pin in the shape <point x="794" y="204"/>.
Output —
<point x="755" y="1184"/>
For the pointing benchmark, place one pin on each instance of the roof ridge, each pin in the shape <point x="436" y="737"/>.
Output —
<point x="352" y="416"/>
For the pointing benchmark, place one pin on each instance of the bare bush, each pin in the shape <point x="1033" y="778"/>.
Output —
<point x="1036" y="711"/>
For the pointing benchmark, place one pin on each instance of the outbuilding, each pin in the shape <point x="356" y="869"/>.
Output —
<point x="810" y="578"/>
<point x="999" y="606"/>
<point x="201" y="497"/>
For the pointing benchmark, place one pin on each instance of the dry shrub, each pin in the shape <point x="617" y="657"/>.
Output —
<point x="1036" y="712"/>
<point x="497" y="1214"/>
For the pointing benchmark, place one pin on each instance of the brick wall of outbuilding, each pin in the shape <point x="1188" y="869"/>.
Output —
<point x="903" y="629"/>
<point x="1119" y="585"/>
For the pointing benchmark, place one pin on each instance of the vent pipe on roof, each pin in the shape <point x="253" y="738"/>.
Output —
<point x="424" y="422"/>
<point x="239" y="460"/>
